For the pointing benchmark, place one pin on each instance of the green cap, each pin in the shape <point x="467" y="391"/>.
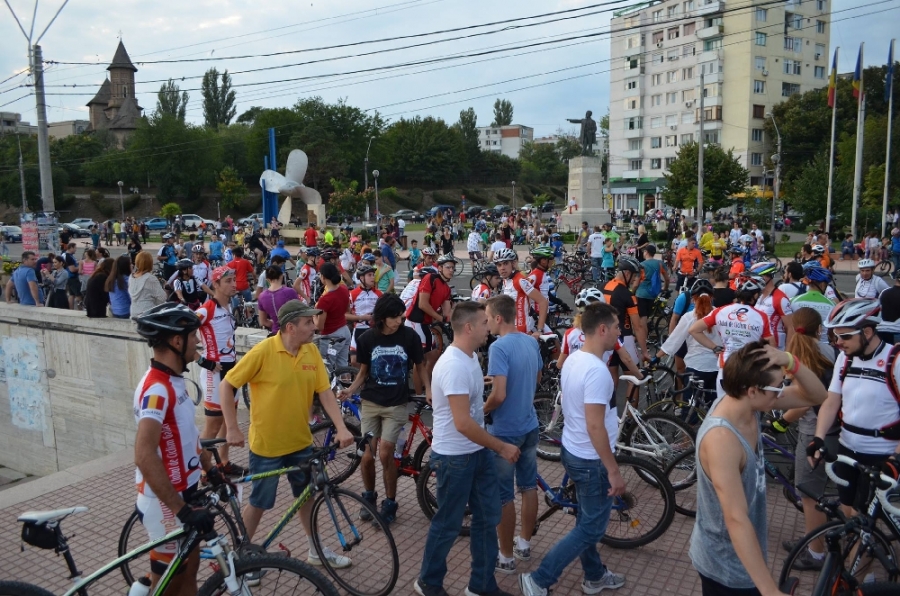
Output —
<point x="293" y="309"/>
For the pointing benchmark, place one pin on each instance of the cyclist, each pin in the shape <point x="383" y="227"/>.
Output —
<point x="792" y="280"/>
<point x="617" y="293"/>
<point x="256" y="243"/>
<point x="306" y="277"/>
<point x="864" y="392"/>
<point x="473" y="245"/>
<point x="688" y="261"/>
<point x="869" y="285"/>
<point x="429" y="256"/>
<point x="217" y="330"/>
<point x="362" y="302"/>
<point x="281" y="401"/>
<point x="490" y="284"/>
<point x="202" y="269"/>
<point x="821" y="256"/>
<point x="281" y="251"/>
<point x="164" y="414"/>
<point x="243" y="276"/>
<point x="216" y="251"/>
<point x="813" y="296"/>
<point x="168" y="255"/>
<point x="737" y="265"/>
<point x="386" y="353"/>
<point x="774" y="303"/>
<point x="517" y="287"/>
<point x="431" y="304"/>
<point x="541" y="257"/>
<point x="188" y="290"/>
<point x="654" y="280"/>
<point x="737" y="324"/>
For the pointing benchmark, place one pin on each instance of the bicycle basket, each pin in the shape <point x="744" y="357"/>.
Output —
<point x="39" y="535"/>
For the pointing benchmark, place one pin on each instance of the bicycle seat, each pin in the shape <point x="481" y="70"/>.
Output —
<point x="549" y="337"/>
<point x="43" y="517"/>
<point x="210" y="443"/>
<point x="253" y="304"/>
<point x="632" y="379"/>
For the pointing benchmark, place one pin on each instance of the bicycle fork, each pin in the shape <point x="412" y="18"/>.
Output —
<point x="346" y="546"/>
<point x="226" y="564"/>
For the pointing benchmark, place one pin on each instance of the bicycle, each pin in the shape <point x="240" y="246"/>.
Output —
<point x="332" y="524"/>
<point x="43" y="529"/>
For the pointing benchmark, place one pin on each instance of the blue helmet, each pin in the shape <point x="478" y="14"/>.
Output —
<point x="816" y="273"/>
<point x="312" y="251"/>
<point x="368" y="257"/>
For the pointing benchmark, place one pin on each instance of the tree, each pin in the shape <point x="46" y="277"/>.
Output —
<point x="809" y="190"/>
<point x="326" y="160"/>
<point x="568" y="146"/>
<point x="170" y="210"/>
<point x="169" y="101"/>
<point x="230" y="187"/>
<point x="467" y="126"/>
<point x="503" y="112"/>
<point x="218" y="100"/>
<point x="250" y="115"/>
<point x="724" y="176"/>
<point x="541" y="163"/>
<point x="421" y="151"/>
<point x="345" y="200"/>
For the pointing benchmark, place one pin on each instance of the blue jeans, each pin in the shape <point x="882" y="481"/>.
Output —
<point x="246" y="294"/>
<point x="895" y="256"/>
<point x="460" y="479"/>
<point x="596" y="266"/>
<point x="523" y="473"/>
<point x="594" y="505"/>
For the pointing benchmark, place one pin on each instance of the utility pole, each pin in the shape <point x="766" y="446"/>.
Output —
<point x="37" y="68"/>
<point x="699" y="218"/>
<point x="22" y="175"/>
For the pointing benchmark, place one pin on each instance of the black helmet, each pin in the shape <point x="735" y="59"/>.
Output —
<point x="363" y="269"/>
<point x="184" y="264"/>
<point x="490" y="270"/>
<point x="629" y="264"/>
<point x="166" y="319"/>
<point x="701" y="286"/>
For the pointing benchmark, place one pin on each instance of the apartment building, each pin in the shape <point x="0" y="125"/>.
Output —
<point x="11" y="123"/>
<point x="753" y="54"/>
<point x="507" y="140"/>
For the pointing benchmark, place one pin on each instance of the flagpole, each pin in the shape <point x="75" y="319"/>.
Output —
<point x="860" y="131"/>
<point x="887" y="159"/>
<point x="831" y="150"/>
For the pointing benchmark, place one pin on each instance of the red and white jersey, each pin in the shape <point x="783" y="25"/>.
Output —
<point x="737" y="325"/>
<point x="362" y="302"/>
<point x="163" y="397"/>
<point x="776" y="306"/>
<point x="574" y="339"/>
<point x="518" y="287"/>
<point x="482" y="292"/>
<point x="202" y="272"/>
<point x="307" y="276"/>
<point x="217" y="330"/>
<point x="540" y="280"/>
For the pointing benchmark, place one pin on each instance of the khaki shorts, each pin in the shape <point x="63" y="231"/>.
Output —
<point x="384" y="422"/>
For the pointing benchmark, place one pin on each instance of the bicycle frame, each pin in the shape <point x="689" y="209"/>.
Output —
<point x="658" y="442"/>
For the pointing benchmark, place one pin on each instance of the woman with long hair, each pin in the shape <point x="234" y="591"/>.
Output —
<point x="273" y="298"/>
<point x="641" y="243"/>
<point x="117" y="287"/>
<point x="95" y="296"/>
<point x="60" y="277"/>
<point x="88" y="263"/>
<point x="332" y="322"/>
<point x="143" y="287"/>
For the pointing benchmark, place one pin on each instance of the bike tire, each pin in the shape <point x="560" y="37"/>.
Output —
<point x="10" y="588"/>
<point x="883" y="268"/>
<point x="806" y="579"/>
<point x="333" y="522"/>
<point x="140" y="567"/>
<point x="426" y="494"/>
<point x="549" y="446"/>
<point x="682" y="474"/>
<point x="628" y="526"/>
<point x="693" y="415"/>
<point x="345" y="375"/>
<point x="340" y="463"/>
<point x="423" y="450"/>
<point x="274" y="573"/>
<point x="672" y="437"/>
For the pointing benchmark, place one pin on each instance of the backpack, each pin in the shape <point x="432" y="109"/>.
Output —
<point x="655" y="283"/>
<point x="890" y="432"/>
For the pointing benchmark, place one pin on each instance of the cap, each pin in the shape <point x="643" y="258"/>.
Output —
<point x="220" y="272"/>
<point x="293" y="309"/>
<point x="281" y="243"/>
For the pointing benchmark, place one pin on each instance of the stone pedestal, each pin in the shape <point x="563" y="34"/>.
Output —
<point x="586" y="188"/>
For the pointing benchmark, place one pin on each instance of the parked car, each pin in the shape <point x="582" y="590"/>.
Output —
<point x="548" y="207"/>
<point x="244" y="221"/>
<point x="407" y="214"/>
<point x="74" y="230"/>
<point x="498" y="209"/>
<point x="472" y="212"/>
<point x="12" y="233"/>
<point x="442" y="208"/>
<point x="84" y="222"/>
<point x="156" y="223"/>
<point x="192" y="220"/>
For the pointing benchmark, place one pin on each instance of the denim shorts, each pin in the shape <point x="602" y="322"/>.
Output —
<point x="264" y="489"/>
<point x="524" y="471"/>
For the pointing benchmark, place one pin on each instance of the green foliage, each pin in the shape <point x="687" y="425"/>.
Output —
<point x="70" y="153"/>
<point x="502" y="198"/>
<point x="218" y="100"/>
<point x="873" y="194"/>
<point x="422" y="150"/>
<point x="540" y="162"/>
<point x="810" y="190"/>
<point x="230" y="187"/>
<point x="65" y="203"/>
<point x="170" y="101"/>
<point x="105" y="207"/>
<point x="131" y="202"/>
<point x="170" y="210"/>
<point x="724" y="176"/>
<point x="467" y="127"/>
<point x="541" y="199"/>
<point x="503" y="112"/>
<point x="496" y="168"/>
<point x="249" y="117"/>
<point x="476" y="199"/>
<point x="345" y="200"/>
<point x="567" y="147"/>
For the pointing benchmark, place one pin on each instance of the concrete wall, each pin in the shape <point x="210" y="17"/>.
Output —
<point x="67" y="384"/>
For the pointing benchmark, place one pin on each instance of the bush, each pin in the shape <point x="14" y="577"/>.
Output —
<point x="659" y="236"/>
<point x="132" y="202"/>
<point x="100" y="203"/>
<point x="502" y="198"/>
<point x="557" y="191"/>
<point x="476" y="199"/>
<point x="65" y="202"/>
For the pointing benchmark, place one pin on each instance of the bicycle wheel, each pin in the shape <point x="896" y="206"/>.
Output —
<point x="340" y="463"/>
<point x="549" y="445"/>
<point x="861" y="564"/>
<point x="426" y="494"/>
<point x="883" y="268"/>
<point x="21" y="589"/>
<point x="645" y="511"/>
<point x="336" y="528"/>
<point x="345" y="375"/>
<point x="662" y="385"/>
<point x="662" y="436"/>
<point x="423" y="451"/>
<point x="682" y="473"/>
<point x="692" y="414"/>
<point x="133" y="535"/>
<point x="276" y="575"/>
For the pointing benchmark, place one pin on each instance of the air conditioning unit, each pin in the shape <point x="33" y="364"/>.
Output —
<point x="659" y="44"/>
<point x="765" y="72"/>
<point x="818" y="56"/>
<point x="688" y="104"/>
<point x="673" y="58"/>
<point x="673" y="127"/>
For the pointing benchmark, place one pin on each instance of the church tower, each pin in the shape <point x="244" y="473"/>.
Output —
<point x="115" y="107"/>
<point x="121" y="78"/>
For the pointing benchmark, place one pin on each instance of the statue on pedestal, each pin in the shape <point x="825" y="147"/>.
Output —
<point x="588" y="134"/>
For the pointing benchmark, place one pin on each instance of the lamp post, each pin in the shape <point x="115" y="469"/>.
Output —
<point x="366" y="165"/>
<point x="775" y="193"/>
<point x="514" y="196"/>
<point x="122" y="200"/>
<point x="377" y="211"/>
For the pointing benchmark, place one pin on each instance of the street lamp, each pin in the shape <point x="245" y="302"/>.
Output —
<point x="514" y="196"/>
<point x="122" y="200"/>
<point x="377" y="211"/>
<point x="775" y="193"/>
<point x="366" y="165"/>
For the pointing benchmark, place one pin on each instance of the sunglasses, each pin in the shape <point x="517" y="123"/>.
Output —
<point x="778" y="390"/>
<point x="846" y="336"/>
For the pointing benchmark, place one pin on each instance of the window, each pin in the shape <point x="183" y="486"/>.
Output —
<point x="788" y="89"/>
<point x="820" y="4"/>
<point x="794" y="21"/>
<point x="792" y="67"/>
<point x="672" y="76"/>
<point x="634" y="41"/>
<point x="672" y="120"/>
<point x="688" y="50"/>
<point x="756" y="159"/>
<point x="820" y="72"/>
<point x="712" y="113"/>
<point x="820" y="26"/>
<point x="655" y="142"/>
<point x="688" y="6"/>
<point x="761" y="14"/>
<point x="687" y="117"/>
<point x="760" y="38"/>
<point x="709" y="68"/>
<point x="672" y="141"/>
<point x="689" y="28"/>
<point x="658" y="59"/>
<point x="634" y="144"/>
<point x="687" y="138"/>
<point x="759" y="112"/>
<point x="672" y="12"/>
<point x="635" y="123"/>
<point x="712" y="90"/>
<point x="757" y="135"/>
<point x="655" y="163"/>
<point x="669" y="162"/>
<point x="687" y="73"/>
<point x="656" y="79"/>
<point x="631" y="84"/>
<point x="631" y="103"/>
<point x="794" y="44"/>
<point x="674" y="33"/>
<point x="672" y="55"/>
<point x="759" y="86"/>
<point x="687" y="95"/>
<point x="759" y="62"/>
<point x="671" y="97"/>
<point x="712" y="44"/>
<point x="820" y="51"/>
<point x="637" y="164"/>
<point x="656" y="122"/>
<point x="657" y="16"/>
<point x="711" y="136"/>
<point x="633" y="63"/>
<point x="657" y="37"/>
<point x="656" y="100"/>
<point x="713" y="22"/>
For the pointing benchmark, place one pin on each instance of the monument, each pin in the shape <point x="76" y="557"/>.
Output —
<point x="291" y="185"/>
<point x="585" y="182"/>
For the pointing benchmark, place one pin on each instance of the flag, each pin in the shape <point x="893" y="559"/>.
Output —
<point x="153" y="402"/>
<point x="889" y="83"/>
<point x="832" y="81"/>
<point x="858" y="77"/>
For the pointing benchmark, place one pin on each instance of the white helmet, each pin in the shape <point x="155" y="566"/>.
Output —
<point x="588" y="296"/>
<point x="818" y="249"/>
<point x="866" y="264"/>
<point x="857" y="312"/>
<point x="505" y="254"/>
<point x="750" y="285"/>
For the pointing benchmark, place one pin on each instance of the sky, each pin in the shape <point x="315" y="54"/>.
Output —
<point x="546" y="83"/>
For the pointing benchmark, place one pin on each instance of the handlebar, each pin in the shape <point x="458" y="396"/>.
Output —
<point x="884" y="483"/>
<point x="635" y="380"/>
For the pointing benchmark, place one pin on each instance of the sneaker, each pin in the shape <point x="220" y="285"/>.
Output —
<point x="234" y="470"/>
<point x="806" y="562"/>
<point x="423" y="590"/>
<point x="497" y="592"/>
<point x="609" y="580"/>
<point x="529" y="588"/>
<point x="388" y="510"/>
<point x="335" y="561"/>
<point x="523" y="554"/>
<point x="789" y="545"/>
<point x="508" y="568"/>
<point x="372" y="497"/>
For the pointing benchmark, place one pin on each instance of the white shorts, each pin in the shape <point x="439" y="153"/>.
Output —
<point x="158" y="521"/>
<point x="356" y="331"/>
<point x="417" y="327"/>
<point x="629" y="346"/>
<point x="212" y="405"/>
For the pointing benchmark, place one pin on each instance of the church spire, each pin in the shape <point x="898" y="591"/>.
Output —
<point x="121" y="59"/>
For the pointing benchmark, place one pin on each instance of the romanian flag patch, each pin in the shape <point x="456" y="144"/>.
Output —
<point x="153" y="402"/>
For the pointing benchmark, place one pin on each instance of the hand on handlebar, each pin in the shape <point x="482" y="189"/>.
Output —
<point x="198" y="518"/>
<point x="234" y="437"/>
<point x="815" y="450"/>
<point x="344" y="437"/>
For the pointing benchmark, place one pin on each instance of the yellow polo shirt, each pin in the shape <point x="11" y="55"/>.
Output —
<point x="281" y="387"/>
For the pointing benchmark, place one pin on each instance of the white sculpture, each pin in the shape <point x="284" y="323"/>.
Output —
<point x="291" y="185"/>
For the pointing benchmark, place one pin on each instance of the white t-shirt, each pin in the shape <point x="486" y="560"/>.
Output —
<point x="455" y="374"/>
<point x="737" y="325"/>
<point x="474" y="242"/>
<point x="498" y="245"/>
<point x="870" y="288"/>
<point x="596" y="241"/>
<point x="586" y="380"/>
<point x="734" y="236"/>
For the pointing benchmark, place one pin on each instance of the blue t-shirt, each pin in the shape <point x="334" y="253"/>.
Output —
<point x="215" y="249"/>
<point x="414" y="255"/>
<point x="895" y="244"/>
<point x="609" y="260"/>
<point x="651" y="267"/>
<point x="168" y="251"/>
<point x="517" y="357"/>
<point x="679" y="308"/>
<point x="21" y="278"/>
<point x="557" y="248"/>
<point x="389" y="256"/>
<point x="280" y="252"/>
<point x="120" y="300"/>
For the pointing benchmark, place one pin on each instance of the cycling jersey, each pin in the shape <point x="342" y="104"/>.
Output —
<point x="482" y="292"/>
<point x="540" y="280"/>
<point x="687" y="260"/>
<point x="438" y="293"/>
<point x="190" y="290"/>
<point x="409" y="292"/>
<point x="776" y="306"/>
<point x="169" y="252"/>
<point x="870" y="288"/>
<point x="737" y="267"/>
<point x="737" y="325"/>
<point x="307" y="277"/>
<point x="201" y="272"/>
<point x="163" y="397"/>
<point x="817" y="301"/>
<point x="625" y="303"/>
<point x="518" y="287"/>
<point x="574" y="339"/>
<point x="362" y="302"/>
<point x="792" y="289"/>
<point x="217" y="331"/>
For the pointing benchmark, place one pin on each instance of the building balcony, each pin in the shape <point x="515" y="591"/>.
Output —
<point x="636" y="92"/>
<point x="708" y="8"/>
<point x="633" y="133"/>
<point x="710" y="32"/>
<point x="631" y="174"/>
<point x="709" y="55"/>
<point x="709" y="102"/>
<point x="633" y="154"/>
<point x="628" y="114"/>
<point x="710" y="78"/>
